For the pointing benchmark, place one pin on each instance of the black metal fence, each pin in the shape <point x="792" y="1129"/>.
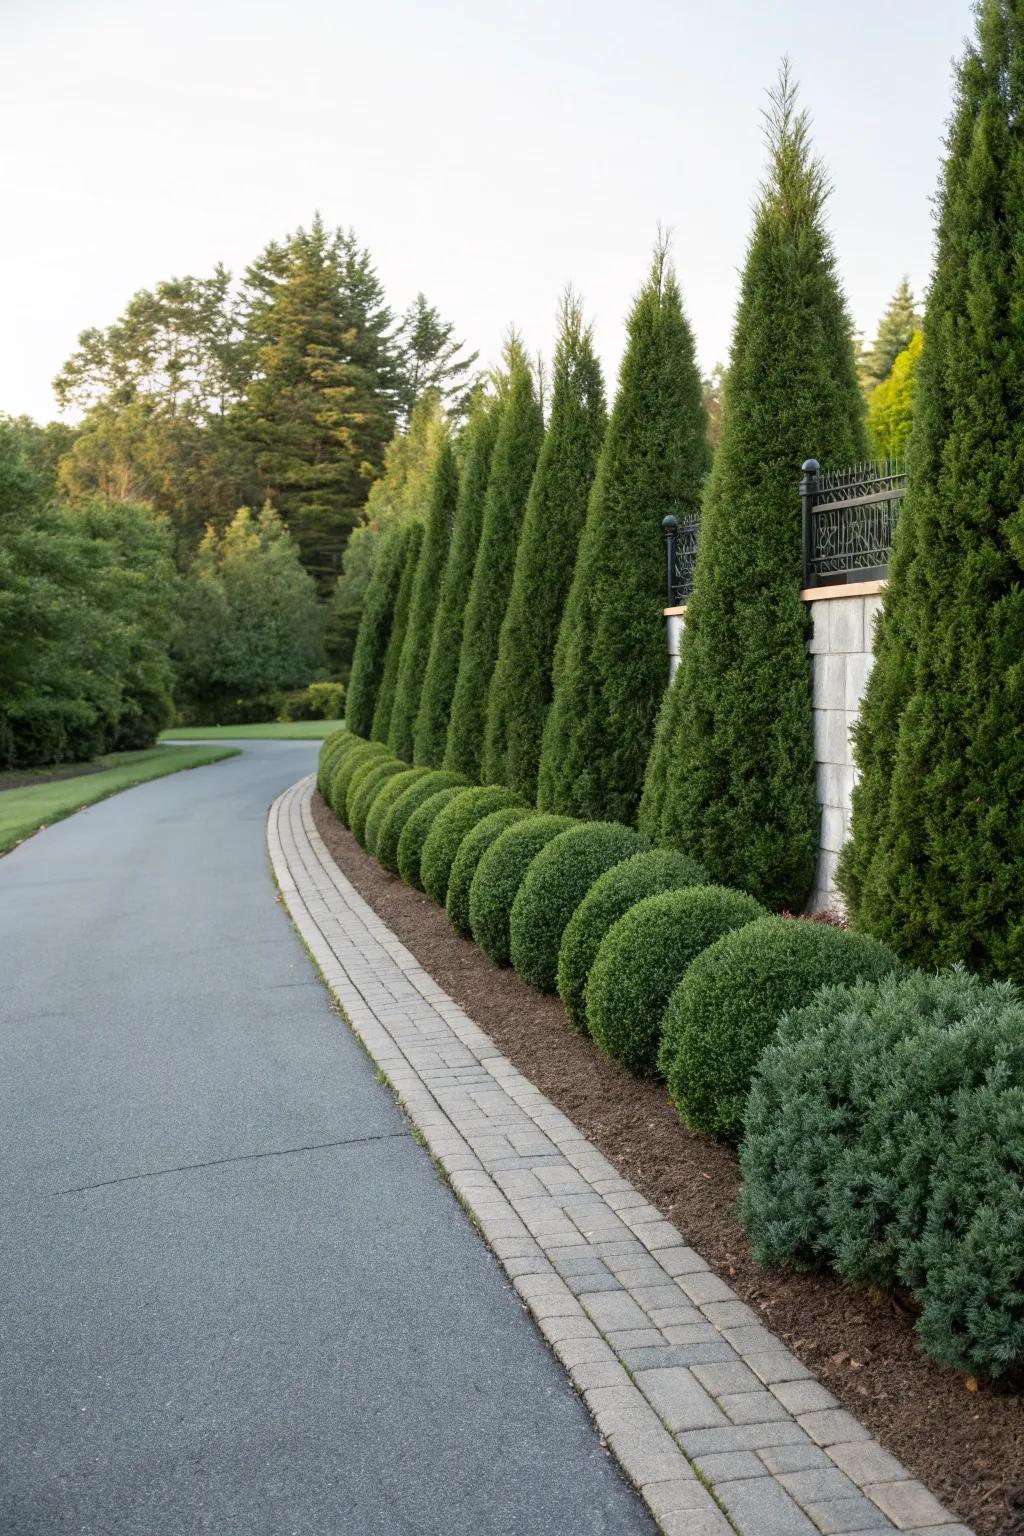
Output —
<point x="848" y="520"/>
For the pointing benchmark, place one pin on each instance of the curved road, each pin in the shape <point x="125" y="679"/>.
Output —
<point x="234" y="1295"/>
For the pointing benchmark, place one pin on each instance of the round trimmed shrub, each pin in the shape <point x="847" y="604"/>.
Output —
<point x="556" y="883"/>
<point x="643" y="958"/>
<point x="450" y="828"/>
<point x="471" y="850"/>
<point x="416" y="831"/>
<point x="350" y="764"/>
<point x="399" y="813"/>
<point x="499" y="875"/>
<point x="727" y="1007"/>
<point x="390" y="791"/>
<point x="609" y="898"/>
<point x="329" y="756"/>
<point x="365" y="789"/>
<point x="885" y="1136"/>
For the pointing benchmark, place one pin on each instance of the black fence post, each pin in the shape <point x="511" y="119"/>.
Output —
<point x="670" y="529"/>
<point x="808" y="489"/>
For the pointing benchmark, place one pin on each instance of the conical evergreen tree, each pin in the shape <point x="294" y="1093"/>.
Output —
<point x="609" y="671"/>
<point x="741" y="794"/>
<point x="411" y="540"/>
<point x="442" y="665"/>
<point x="936" y="865"/>
<point x="516" y="447"/>
<point x="444" y="491"/>
<point x="896" y="328"/>
<point x="520" y="693"/>
<point x="375" y="626"/>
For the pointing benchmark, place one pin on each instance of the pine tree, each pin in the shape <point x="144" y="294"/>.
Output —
<point x="741" y="793"/>
<point x="374" y="633"/>
<point x="609" y="670"/>
<point x="430" y="360"/>
<point x="895" y="330"/>
<point x="411" y="542"/>
<point x="442" y="665"/>
<point x="444" y="491"/>
<point x="520" y="694"/>
<point x="936" y="863"/>
<point x="516" y="447"/>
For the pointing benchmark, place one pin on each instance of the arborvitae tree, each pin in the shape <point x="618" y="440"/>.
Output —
<point x="741" y="793"/>
<point x="660" y="765"/>
<point x="609" y="670"/>
<point x="520" y="693"/>
<point x="374" y="633"/>
<point x="520" y="432"/>
<point x="895" y="329"/>
<point x="936" y="864"/>
<point x="442" y="665"/>
<point x="444" y="491"/>
<point x="411" y="537"/>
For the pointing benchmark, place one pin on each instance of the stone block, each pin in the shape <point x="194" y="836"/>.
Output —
<point x="818" y="642"/>
<point x="752" y="1407"/>
<point x="833" y="836"/>
<point x="729" y="1466"/>
<point x="679" y="1399"/>
<point x="864" y="1461"/>
<point x="732" y="1376"/>
<point x="832" y="1426"/>
<point x="846" y="624"/>
<point x="828" y="681"/>
<point x="613" y="1310"/>
<point x="804" y="1396"/>
<point x="908" y="1504"/>
<point x="858" y="670"/>
<point x="758" y="1506"/>
<point x="872" y="608"/>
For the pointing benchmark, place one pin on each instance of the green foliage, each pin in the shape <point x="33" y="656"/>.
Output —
<point x="936" y="862"/>
<point x="609" y="898"/>
<point x="891" y="405"/>
<point x="347" y="766"/>
<point x="499" y="875"/>
<point x="661" y="764"/>
<point x="388" y="795"/>
<point x="643" y="958"/>
<point x="411" y="799"/>
<point x="444" y="491"/>
<point x="885" y="1135"/>
<point x="450" y="827"/>
<point x="364" y="791"/>
<point x="430" y="360"/>
<point x="520" y="693"/>
<point x="411" y="539"/>
<point x="251" y="624"/>
<point x="555" y="884"/>
<point x="516" y="447"/>
<point x="442" y="663"/>
<point x="726" y="1009"/>
<point x="367" y="767"/>
<point x="741" y="795"/>
<point x="416" y="831"/>
<point x="333" y="748"/>
<point x="317" y="701"/>
<point x="374" y="633"/>
<point x="609" y="669"/>
<point x="896" y="329"/>
<point x="471" y="850"/>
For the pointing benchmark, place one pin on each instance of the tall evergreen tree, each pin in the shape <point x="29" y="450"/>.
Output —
<point x="430" y="360"/>
<point x="609" y="670"/>
<point x="936" y="864"/>
<point x="895" y="330"/>
<point x="375" y="627"/>
<point x="319" y="406"/>
<point x="444" y="491"/>
<point x="741" y="797"/>
<point x="520" y="693"/>
<point x="411" y="541"/>
<point x="516" y="447"/>
<point x="442" y="664"/>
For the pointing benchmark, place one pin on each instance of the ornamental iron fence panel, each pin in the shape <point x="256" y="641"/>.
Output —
<point x="680" y="557"/>
<point x="849" y="518"/>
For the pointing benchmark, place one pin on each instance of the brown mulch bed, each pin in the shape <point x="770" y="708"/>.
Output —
<point x="965" y="1442"/>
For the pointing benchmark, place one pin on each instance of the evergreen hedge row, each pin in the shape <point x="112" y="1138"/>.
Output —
<point x="725" y="1011"/>
<point x="471" y="850"/>
<point x="555" y="884"/>
<point x="411" y="536"/>
<point x="350" y="764"/>
<point x="371" y="646"/>
<point x="362" y="800"/>
<point x="409" y="802"/>
<point x="416" y="831"/>
<point x="643" y="958"/>
<point x="390" y="793"/>
<point x="516" y="447"/>
<point x="609" y="898"/>
<point x="499" y="875"/>
<point x="885" y="1136"/>
<point x="330" y="755"/>
<point x="451" y="826"/>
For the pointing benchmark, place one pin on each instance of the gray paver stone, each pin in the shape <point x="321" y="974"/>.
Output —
<point x="678" y="1494"/>
<point x="803" y="1396"/>
<point x="731" y="1376"/>
<point x="758" y="1506"/>
<point x="692" y="1522"/>
<point x="753" y="1407"/>
<point x="864" y="1461"/>
<point x="832" y="1426"/>
<point x="648" y="1458"/>
<point x="613" y="1310"/>
<point x="818" y="1486"/>
<point x="908" y="1504"/>
<point x="728" y="1466"/>
<point x="679" y="1398"/>
<point x="842" y="1517"/>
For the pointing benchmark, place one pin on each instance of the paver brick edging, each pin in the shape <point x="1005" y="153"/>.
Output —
<point x="715" y="1422"/>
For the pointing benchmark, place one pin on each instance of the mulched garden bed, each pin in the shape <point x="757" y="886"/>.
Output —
<point x="965" y="1441"/>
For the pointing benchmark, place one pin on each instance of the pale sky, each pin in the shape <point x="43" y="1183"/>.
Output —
<point x="486" y="155"/>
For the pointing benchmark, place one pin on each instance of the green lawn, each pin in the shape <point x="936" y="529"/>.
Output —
<point x="26" y="809"/>
<point x="273" y="730"/>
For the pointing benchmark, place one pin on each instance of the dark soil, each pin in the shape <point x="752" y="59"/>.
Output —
<point x="965" y="1441"/>
<point x="19" y="780"/>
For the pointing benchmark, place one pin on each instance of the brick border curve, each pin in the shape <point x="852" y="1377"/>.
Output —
<point x="714" y="1421"/>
